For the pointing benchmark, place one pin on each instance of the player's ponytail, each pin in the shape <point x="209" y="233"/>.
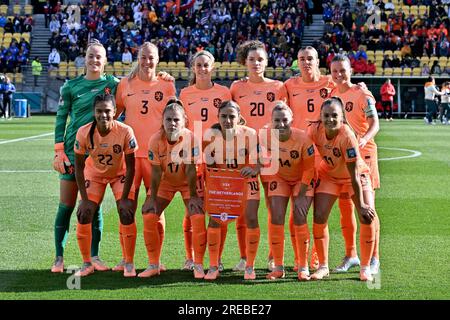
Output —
<point x="103" y="97"/>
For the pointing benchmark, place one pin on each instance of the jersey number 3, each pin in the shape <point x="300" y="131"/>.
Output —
<point x="144" y="107"/>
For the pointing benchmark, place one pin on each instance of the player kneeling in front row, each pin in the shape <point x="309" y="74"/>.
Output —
<point x="341" y="171"/>
<point x="294" y="179"/>
<point x="110" y="146"/>
<point x="173" y="153"/>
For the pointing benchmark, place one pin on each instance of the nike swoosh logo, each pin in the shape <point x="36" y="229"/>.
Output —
<point x="80" y="95"/>
<point x="253" y="193"/>
<point x="190" y="103"/>
<point x="161" y="155"/>
<point x="240" y="97"/>
<point x="296" y="94"/>
<point x="130" y="94"/>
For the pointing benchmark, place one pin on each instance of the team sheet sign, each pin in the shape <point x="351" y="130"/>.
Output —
<point x="226" y="192"/>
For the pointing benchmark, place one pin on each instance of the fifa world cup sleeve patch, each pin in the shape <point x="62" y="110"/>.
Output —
<point x="310" y="150"/>
<point x="132" y="143"/>
<point x="351" y="153"/>
<point x="150" y="155"/>
<point x="77" y="145"/>
<point x="195" y="152"/>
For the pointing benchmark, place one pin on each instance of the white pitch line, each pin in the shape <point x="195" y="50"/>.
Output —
<point x="413" y="155"/>
<point x="26" y="171"/>
<point x="27" y="138"/>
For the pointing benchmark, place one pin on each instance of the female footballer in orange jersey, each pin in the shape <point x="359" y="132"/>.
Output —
<point x="341" y="170"/>
<point x="256" y="96"/>
<point x="75" y="104"/>
<point x="111" y="146"/>
<point x="362" y="116"/>
<point x="227" y="133"/>
<point x="143" y="96"/>
<point x="201" y="100"/>
<point x="173" y="154"/>
<point x="306" y="95"/>
<point x="295" y="180"/>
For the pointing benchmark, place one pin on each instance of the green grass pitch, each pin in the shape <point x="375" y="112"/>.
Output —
<point x="413" y="205"/>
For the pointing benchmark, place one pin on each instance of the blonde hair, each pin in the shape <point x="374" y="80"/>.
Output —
<point x="135" y="68"/>
<point x="194" y="57"/>
<point x="95" y="43"/>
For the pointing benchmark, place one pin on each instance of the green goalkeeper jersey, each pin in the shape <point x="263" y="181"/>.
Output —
<point x="76" y="102"/>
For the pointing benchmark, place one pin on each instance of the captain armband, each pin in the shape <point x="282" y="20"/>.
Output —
<point x="370" y="110"/>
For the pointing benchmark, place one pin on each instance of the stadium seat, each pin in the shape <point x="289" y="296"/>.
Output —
<point x="16" y="9"/>
<point x="80" y="71"/>
<point x="270" y="72"/>
<point x="416" y="72"/>
<point x="4" y="9"/>
<point x="162" y="65"/>
<point x="63" y="65"/>
<point x="181" y="64"/>
<point x="72" y="72"/>
<point x="18" y="78"/>
<point x="62" y="73"/>
<point x="26" y="36"/>
<point x="28" y="9"/>
<point x="53" y="73"/>
<point x="422" y="10"/>
<point x="109" y="69"/>
<point x="279" y="73"/>
<point x="222" y="74"/>
<point x="17" y="36"/>
<point x="388" y="71"/>
<point x="185" y="74"/>
<point x="397" y="71"/>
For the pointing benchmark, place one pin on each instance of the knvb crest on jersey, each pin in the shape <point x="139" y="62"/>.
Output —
<point x="117" y="148"/>
<point x="294" y="154"/>
<point x="271" y="96"/>
<point x="273" y="185"/>
<point x="107" y="90"/>
<point x="349" y="106"/>
<point x="336" y="152"/>
<point x="159" y="96"/>
<point x="217" y="102"/>
<point x="323" y="93"/>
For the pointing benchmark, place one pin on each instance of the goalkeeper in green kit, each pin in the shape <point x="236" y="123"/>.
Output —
<point x="77" y="96"/>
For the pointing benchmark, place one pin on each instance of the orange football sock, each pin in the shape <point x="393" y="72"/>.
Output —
<point x="198" y="237"/>
<point x="121" y="241"/>
<point x="292" y="234"/>
<point x="321" y="241"/>
<point x="376" y="249"/>
<point x="252" y="243"/>
<point x="152" y="237"/>
<point x="129" y="233"/>
<point x="187" y="230"/>
<point x="241" y="230"/>
<point x="269" y="214"/>
<point x="302" y="240"/>
<point x="84" y="237"/>
<point x="367" y="242"/>
<point x="223" y="236"/>
<point x="348" y="226"/>
<point x="161" y="228"/>
<point x="277" y="243"/>
<point x="214" y="245"/>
